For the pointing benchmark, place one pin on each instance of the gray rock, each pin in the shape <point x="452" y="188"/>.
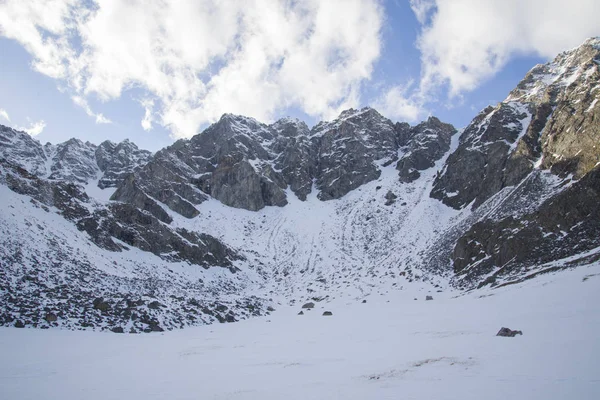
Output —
<point x="347" y="149"/>
<point x="421" y="146"/>
<point x="301" y="313"/>
<point x="535" y="123"/>
<point x="101" y="305"/>
<point x="155" y="305"/>
<point x="327" y="313"/>
<point x="390" y="198"/>
<point x="508" y="332"/>
<point x="51" y="317"/>
<point x="309" y="305"/>
<point x="428" y="297"/>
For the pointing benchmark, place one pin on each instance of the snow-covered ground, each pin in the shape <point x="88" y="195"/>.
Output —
<point x="392" y="347"/>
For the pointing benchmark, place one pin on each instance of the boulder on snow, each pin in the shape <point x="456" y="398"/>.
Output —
<point x="508" y="332"/>
<point x="301" y="313"/>
<point x="390" y="198"/>
<point x="100" y="304"/>
<point x="309" y="305"/>
<point x="327" y="313"/>
<point x="429" y="298"/>
<point x="155" y="305"/>
<point x="19" y="324"/>
<point x="50" y="317"/>
<point x="364" y="301"/>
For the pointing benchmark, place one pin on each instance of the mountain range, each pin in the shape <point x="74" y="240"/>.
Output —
<point x="245" y="215"/>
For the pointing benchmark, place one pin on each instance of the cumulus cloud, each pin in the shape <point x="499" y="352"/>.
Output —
<point x="82" y="102"/>
<point x="4" y="115"/>
<point x="34" y="128"/>
<point x="397" y="102"/>
<point x="465" y="42"/>
<point x="196" y="59"/>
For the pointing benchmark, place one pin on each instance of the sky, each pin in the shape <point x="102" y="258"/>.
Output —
<point x="155" y="72"/>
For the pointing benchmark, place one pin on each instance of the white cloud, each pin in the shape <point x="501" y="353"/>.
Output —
<point x="465" y="42"/>
<point x="34" y="129"/>
<point x="397" y="103"/>
<point x="148" y="119"/>
<point x="4" y="115"/>
<point x="422" y="9"/>
<point x="200" y="58"/>
<point x="82" y="102"/>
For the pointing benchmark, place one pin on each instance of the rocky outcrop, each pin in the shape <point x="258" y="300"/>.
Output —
<point x="117" y="160"/>
<point x="421" y="146"/>
<point x="548" y="121"/>
<point x="73" y="160"/>
<point x="348" y="148"/>
<point x="246" y="164"/>
<point x="535" y="158"/>
<point x="566" y="224"/>
<point x="124" y="222"/>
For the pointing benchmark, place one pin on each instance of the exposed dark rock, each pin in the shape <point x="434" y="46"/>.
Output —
<point x="117" y="329"/>
<point x="101" y="305"/>
<point x="390" y="198"/>
<point x="564" y="225"/>
<point x="327" y="313"/>
<point x="50" y="317"/>
<point x="301" y="313"/>
<point x="309" y="305"/>
<point x="508" y="332"/>
<point x="348" y="148"/>
<point x="428" y="297"/>
<point x="155" y="305"/>
<point x="422" y="146"/>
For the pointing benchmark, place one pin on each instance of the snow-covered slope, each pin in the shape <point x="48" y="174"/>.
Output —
<point x="392" y="347"/>
<point x="53" y="275"/>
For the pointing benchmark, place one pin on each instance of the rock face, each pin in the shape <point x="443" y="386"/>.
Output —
<point x="534" y="159"/>
<point x="549" y="119"/>
<point x="246" y="164"/>
<point x="348" y="148"/>
<point x="421" y="146"/>
<point x="117" y="160"/>
<point x="73" y="160"/>
<point x="120" y="221"/>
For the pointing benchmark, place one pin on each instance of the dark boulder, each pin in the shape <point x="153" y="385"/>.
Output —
<point x="505" y="332"/>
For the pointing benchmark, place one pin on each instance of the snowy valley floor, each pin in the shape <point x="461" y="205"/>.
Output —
<point x="392" y="347"/>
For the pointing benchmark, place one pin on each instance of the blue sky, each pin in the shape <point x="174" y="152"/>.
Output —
<point x="116" y="70"/>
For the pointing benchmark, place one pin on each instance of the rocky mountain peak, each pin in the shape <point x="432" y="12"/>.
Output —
<point x="546" y="122"/>
<point x="290" y="127"/>
<point x="547" y="81"/>
<point x="20" y="149"/>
